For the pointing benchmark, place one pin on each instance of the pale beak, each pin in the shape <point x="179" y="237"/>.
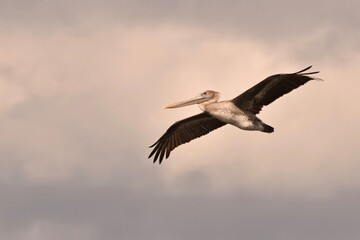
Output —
<point x="196" y="100"/>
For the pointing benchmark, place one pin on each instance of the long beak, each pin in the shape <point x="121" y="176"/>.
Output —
<point x="195" y="100"/>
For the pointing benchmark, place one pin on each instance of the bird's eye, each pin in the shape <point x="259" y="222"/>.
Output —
<point x="204" y="93"/>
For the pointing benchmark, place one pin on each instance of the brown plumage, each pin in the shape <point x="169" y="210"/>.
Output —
<point x="184" y="131"/>
<point x="270" y="89"/>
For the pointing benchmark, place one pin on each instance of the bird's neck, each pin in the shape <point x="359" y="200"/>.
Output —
<point x="202" y="106"/>
<point x="206" y="105"/>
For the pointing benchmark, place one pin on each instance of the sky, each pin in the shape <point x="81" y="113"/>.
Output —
<point x="82" y="90"/>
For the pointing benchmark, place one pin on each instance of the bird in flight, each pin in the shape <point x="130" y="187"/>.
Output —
<point x="240" y="111"/>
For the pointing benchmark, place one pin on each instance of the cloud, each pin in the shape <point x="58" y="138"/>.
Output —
<point x="83" y="212"/>
<point x="77" y="115"/>
<point x="271" y="21"/>
<point x="81" y="99"/>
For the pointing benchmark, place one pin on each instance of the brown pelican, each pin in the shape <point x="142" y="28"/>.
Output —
<point x="240" y="111"/>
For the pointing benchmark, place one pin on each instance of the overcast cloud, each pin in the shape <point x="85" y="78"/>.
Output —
<point x="82" y="90"/>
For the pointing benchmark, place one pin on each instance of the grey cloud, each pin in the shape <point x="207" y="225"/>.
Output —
<point x="113" y="213"/>
<point x="275" y="19"/>
<point x="277" y="22"/>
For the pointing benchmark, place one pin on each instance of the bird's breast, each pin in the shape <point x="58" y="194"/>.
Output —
<point x="227" y="112"/>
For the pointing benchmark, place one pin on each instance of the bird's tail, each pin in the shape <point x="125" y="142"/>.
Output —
<point x="267" y="128"/>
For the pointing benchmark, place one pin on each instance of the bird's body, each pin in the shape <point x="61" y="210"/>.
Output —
<point x="240" y="111"/>
<point x="227" y="112"/>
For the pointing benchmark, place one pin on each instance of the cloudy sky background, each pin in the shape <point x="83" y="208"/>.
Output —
<point x="82" y="90"/>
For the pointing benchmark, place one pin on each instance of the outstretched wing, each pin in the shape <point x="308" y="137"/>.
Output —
<point x="184" y="131"/>
<point x="270" y="89"/>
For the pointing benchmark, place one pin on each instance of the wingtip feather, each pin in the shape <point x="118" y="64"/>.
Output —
<point x="303" y="72"/>
<point x="305" y="69"/>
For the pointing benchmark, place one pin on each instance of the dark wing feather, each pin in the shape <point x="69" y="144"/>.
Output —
<point x="270" y="89"/>
<point x="184" y="131"/>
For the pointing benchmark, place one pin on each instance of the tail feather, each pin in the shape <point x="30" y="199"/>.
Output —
<point x="267" y="128"/>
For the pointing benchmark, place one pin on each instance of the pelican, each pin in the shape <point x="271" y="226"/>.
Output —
<point x="240" y="111"/>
